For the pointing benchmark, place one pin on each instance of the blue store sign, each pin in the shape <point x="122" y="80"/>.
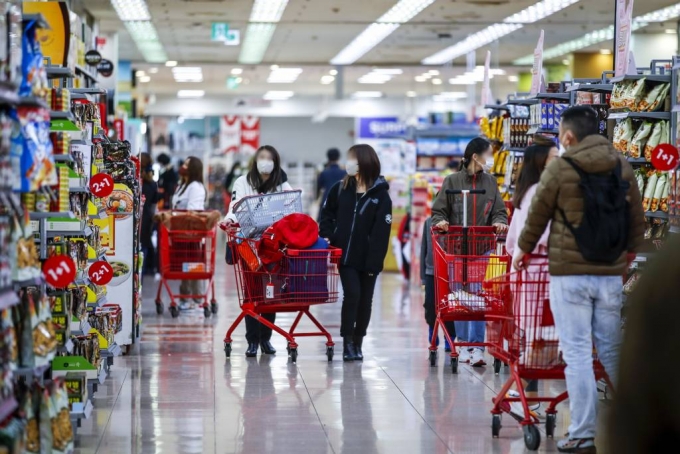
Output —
<point x="379" y="127"/>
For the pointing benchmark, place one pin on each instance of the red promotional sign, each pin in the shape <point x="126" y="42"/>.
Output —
<point x="101" y="185"/>
<point x="100" y="272"/>
<point x="59" y="271"/>
<point x="665" y="157"/>
<point x="119" y="127"/>
<point x="250" y="134"/>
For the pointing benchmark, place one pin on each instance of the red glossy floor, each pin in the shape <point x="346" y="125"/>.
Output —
<point x="176" y="392"/>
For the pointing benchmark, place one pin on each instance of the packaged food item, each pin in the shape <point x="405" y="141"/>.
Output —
<point x="618" y="94"/>
<point x="648" y="230"/>
<point x="654" y="140"/>
<point x="34" y="76"/>
<point x="637" y="145"/>
<point x="658" y="191"/>
<point x="649" y="191"/>
<point x="654" y="98"/>
<point x="625" y="135"/>
<point x="640" y="178"/>
<point x="663" y="203"/>
<point x="60" y="420"/>
<point x="630" y="284"/>
<point x="32" y="434"/>
<point x="32" y="159"/>
<point x="634" y="95"/>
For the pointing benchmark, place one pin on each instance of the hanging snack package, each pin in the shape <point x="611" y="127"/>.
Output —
<point x="634" y="96"/>
<point x="658" y="191"/>
<point x="617" y="135"/>
<point x="654" y="140"/>
<point x="618" y="94"/>
<point x="625" y="135"/>
<point x="34" y="75"/>
<point x="637" y="144"/>
<point x="655" y="98"/>
<point x="640" y="178"/>
<point x="663" y="203"/>
<point x="62" y="431"/>
<point x="649" y="191"/>
<point x="32" y="158"/>
<point x="46" y="412"/>
<point x="32" y="433"/>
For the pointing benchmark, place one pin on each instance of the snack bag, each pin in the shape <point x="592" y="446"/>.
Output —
<point x="649" y="191"/>
<point x="62" y="431"/>
<point x="634" y="96"/>
<point x="618" y="94"/>
<point x="637" y="145"/>
<point x="658" y="191"/>
<point x="654" y="140"/>
<point x="625" y="135"/>
<point x="31" y="153"/>
<point x="653" y="98"/>
<point x="663" y="204"/>
<point x="45" y="417"/>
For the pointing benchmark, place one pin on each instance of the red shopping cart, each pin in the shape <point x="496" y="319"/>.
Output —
<point x="528" y="342"/>
<point x="465" y="257"/>
<point x="187" y="255"/>
<point x="299" y="280"/>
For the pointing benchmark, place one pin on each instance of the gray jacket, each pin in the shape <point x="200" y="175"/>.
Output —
<point x="426" y="254"/>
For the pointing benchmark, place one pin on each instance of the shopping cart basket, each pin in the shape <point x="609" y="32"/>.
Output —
<point x="528" y="342"/>
<point x="299" y="280"/>
<point x="257" y="212"/>
<point x="464" y="257"/>
<point x="186" y="255"/>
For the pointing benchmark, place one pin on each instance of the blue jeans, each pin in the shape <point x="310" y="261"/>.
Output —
<point x="471" y="332"/>
<point x="586" y="309"/>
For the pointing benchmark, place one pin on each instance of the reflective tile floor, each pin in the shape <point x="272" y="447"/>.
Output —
<point x="177" y="393"/>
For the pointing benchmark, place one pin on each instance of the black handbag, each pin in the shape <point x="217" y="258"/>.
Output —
<point x="229" y="255"/>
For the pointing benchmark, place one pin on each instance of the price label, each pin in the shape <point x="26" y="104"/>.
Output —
<point x="59" y="271"/>
<point x="665" y="157"/>
<point x="101" y="185"/>
<point x="100" y="273"/>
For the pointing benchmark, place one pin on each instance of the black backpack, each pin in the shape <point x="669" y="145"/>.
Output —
<point x="602" y="235"/>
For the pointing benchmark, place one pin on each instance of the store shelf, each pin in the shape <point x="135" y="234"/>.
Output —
<point x="8" y="298"/>
<point x="642" y="115"/>
<point x="554" y="96"/>
<point x="79" y="96"/>
<point x="34" y="215"/>
<point x="676" y="108"/>
<point x="7" y="408"/>
<point x="84" y="233"/>
<point x="638" y="161"/>
<point x="656" y="214"/>
<point x="81" y="411"/>
<point x="84" y="72"/>
<point x="8" y="94"/>
<point x="523" y="102"/>
<point x="537" y="130"/>
<point x="593" y="88"/>
<point x="113" y="351"/>
<point x="516" y="149"/>
<point x="38" y="18"/>
<point x="497" y="107"/>
<point x="81" y="142"/>
<point x="30" y="372"/>
<point x="58" y="72"/>
<point x="62" y="115"/>
<point x="63" y="158"/>
<point x="33" y="101"/>
<point x="82" y="328"/>
<point x="67" y="347"/>
<point x="33" y="282"/>
<point x="76" y="189"/>
<point x="88" y="91"/>
<point x="101" y="215"/>
<point x="648" y="77"/>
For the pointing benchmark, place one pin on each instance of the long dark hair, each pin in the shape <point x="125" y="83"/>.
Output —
<point x="535" y="158"/>
<point x="478" y="145"/>
<point x="275" y="178"/>
<point x="194" y="173"/>
<point x="369" y="165"/>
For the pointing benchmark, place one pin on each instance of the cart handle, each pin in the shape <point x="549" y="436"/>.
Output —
<point x="334" y="251"/>
<point x="228" y="226"/>
<point x="465" y="192"/>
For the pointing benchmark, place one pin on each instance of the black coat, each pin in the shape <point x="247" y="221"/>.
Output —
<point x="359" y="226"/>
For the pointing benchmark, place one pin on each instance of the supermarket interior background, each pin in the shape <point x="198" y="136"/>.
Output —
<point x="94" y="361"/>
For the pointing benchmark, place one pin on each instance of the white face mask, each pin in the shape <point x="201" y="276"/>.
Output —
<point x="562" y="150"/>
<point x="265" y="166"/>
<point x="352" y="167"/>
<point x="488" y="164"/>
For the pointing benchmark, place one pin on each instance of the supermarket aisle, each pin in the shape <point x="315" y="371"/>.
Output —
<point x="177" y="394"/>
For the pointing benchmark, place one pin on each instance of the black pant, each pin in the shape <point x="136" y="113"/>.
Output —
<point x="256" y="332"/>
<point x="357" y="303"/>
<point x="430" y="311"/>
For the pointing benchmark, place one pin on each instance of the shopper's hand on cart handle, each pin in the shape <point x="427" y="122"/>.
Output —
<point x="519" y="263"/>
<point x="500" y="228"/>
<point x="225" y="225"/>
<point x="443" y="226"/>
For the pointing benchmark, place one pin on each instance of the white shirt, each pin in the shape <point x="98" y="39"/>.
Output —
<point x="519" y="218"/>
<point x="243" y="189"/>
<point x="191" y="198"/>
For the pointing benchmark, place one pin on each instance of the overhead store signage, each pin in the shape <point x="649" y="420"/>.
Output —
<point x="239" y="134"/>
<point x="100" y="272"/>
<point x="93" y="58"/>
<point x="220" y="30"/>
<point x="233" y="38"/>
<point x="54" y="41"/>
<point x="105" y="68"/>
<point x="59" y="271"/>
<point x="486" y="88"/>
<point x="624" y="19"/>
<point x="379" y="127"/>
<point x="665" y="157"/>
<point x="537" y="70"/>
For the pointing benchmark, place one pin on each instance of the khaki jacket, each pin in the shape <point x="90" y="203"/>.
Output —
<point x="559" y="188"/>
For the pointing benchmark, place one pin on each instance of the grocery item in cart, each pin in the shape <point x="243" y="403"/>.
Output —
<point x="308" y="270"/>
<point x="257" y="212"/>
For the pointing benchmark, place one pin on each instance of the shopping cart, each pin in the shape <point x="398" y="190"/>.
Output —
<point x="299" y="280"/>
<point x="464" y="257"/>
<point x="186" y="255"/>
<point x="257" y="212"/>
<point x="528" y="342"/>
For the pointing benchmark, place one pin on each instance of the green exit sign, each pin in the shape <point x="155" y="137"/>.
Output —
<point x="220" y="31"/>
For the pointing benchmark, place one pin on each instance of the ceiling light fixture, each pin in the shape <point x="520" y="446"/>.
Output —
<point x="379" y="76"/>
<point x="606" y="51"/>
<point x="258" y="36"/>
<point x="566" y="62"/>
<point x="187" y="74"/>
<point x="599" y="36"/>
<point x="145" y="79"/>
<point x="436" y="81"/>
<point x="144" y="35"/>
<point x="671" y="31"/>
<point x="140" y="73"/>
<point x="402" y="12"/>
<point x="421" y="79"/>
<point x="236" y="71"/>
<point x="328" y="79"/>
<point x="513" y="79"/>
<point x="496" y="31"/>
<point x="153" y="70"/>
<point x="411" y="94"/>
<point x="367" y="94"/>
<point x="131" y="10"/>
<point x="284" y="75"/>
<point x="191" y="93"/>
<point x="333" y="72"/>
<point x="278" y="95"/>
<point x="171" y="63"/>
<point x="449" y="96"/>
<point x="267" y="10"/>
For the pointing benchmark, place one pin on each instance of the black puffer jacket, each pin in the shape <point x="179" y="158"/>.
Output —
<point x="360" y="226"/>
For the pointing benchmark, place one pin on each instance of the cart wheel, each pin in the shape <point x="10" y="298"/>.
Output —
<point x="213" y="307"/>
<point x="454" y="365"/>
<point x="227" y="349"/>
<point x="159" y="307"/>
<point x="293" y="355"/>
<point x="433" y="358"/>
<point x="207" y="312"/>
<point x="550" y="423"/>
<point x="532" y="437"/>
<point x="288" y="348"/>
<point x="497" y="364"/>
<point x="329" y="353"/>
<point x="495" y="425"/>
<point x="174" y="311"/>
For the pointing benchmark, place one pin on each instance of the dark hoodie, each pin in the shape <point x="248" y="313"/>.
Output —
<point x="360" y="226"/>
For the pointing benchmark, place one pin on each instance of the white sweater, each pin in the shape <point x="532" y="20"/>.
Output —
<point x="519" y="218"/>
<point x="191" y="198"/>
<point x="243" y="189"/>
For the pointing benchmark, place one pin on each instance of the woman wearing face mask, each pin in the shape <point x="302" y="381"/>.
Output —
<point x="486" y="209"/>
<point x="190" y="195"/>
<point x="357" y="218"/>
<point x="264" y="177"/>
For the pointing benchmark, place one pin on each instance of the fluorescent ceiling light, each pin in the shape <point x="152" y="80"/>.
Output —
<point x="131" y="10"/>
<point x="144" y="35"/>
<point x="153" y="70"/>
<point x="140" y="73"/>
<point x="255" y="44"/>
<point x="496" y="31"/>
<point x="421" y="79"/>
<point x="566" y="62"/>
<point x="267" y="10"/>
<point x="513" y="79"/>
<point x="367" y="94"/>
<point x="671" y="31"/>
<point x="236" y="71"/>
<point x="278" y="95"/>
<point x="433" y="72"/>
<point x="145" y="79"/>
<point x="328" y="79"/>
<point x="284" y="75"/>
<point x="449" y="96"/>
<point x="191" y="93"/>
<point x="170" y="63"/>
<point x="411" y="94"/>
<point x="333" y="72"/>
<point x="606" y="51"/>
<point x="599" y="36"/>
<point x="187" y="74"/>
<point x="388" y="71"/>
<point x="400" y="13"/>
<point x="379" y="76"/>
<point x="436" y="81"/>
